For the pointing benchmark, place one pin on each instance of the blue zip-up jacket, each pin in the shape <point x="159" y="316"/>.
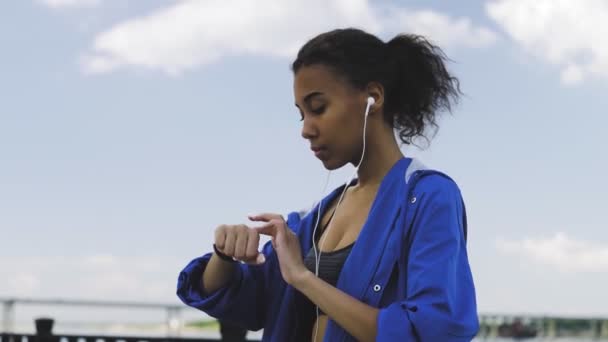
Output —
<point x="410" y="261"/>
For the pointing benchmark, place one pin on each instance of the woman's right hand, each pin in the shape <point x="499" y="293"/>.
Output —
<point x="240" y="242"/>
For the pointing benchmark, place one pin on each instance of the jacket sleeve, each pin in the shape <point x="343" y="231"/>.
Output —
<point x="440" y="302"/>
<point x="244" y="299"/>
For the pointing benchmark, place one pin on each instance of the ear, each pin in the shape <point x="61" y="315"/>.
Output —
<point x="375" y="90"/>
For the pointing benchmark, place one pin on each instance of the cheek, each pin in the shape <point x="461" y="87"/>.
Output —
<point x="347" y="134"/>
<point x="345" y="118"/>
<point x="350" y="124"/>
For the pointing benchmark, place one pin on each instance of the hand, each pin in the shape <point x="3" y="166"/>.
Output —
<point x="240" y="242"/>
<point x="286" y="245"/>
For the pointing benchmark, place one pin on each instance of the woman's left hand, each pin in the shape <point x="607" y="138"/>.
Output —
<point x="286" y="245"/>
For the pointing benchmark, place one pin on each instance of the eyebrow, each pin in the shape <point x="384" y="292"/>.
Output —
<point x="309" y="97"/>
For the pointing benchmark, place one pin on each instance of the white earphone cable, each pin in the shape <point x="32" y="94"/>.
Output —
<point x="370" y="102"/>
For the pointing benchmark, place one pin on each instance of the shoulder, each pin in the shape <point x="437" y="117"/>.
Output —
<point x="431" y="186"/>
<point x="436" y="185"/>
<point x="438" y="203"/>
<point x="430" y="183"/>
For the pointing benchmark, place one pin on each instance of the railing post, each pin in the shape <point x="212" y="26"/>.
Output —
<point x="174" y="322"/>
<point x="493" y="332"/>
<point x="44" y="330"/>
<point x="594" y="331"/>
<point x="8" y="316"/>
<point x="604" y="329"/>
<point x="550" y="328"/>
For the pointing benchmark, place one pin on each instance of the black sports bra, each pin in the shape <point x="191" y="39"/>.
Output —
<point x="330" y="263"/>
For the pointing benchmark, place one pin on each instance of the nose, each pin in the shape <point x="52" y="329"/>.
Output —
<point x="309" y="131"/>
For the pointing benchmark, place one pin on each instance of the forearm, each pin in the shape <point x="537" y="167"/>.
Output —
<point x="357" y="318"/>
<point x="217" y="274"/>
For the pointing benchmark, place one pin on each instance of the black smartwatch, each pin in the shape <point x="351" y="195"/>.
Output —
<point x="222" y="255"/>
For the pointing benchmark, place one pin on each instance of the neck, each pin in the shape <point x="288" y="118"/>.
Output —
<point x="381" y="154"/>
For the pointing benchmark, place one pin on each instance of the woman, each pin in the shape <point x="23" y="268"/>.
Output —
<point x="389" y="260"/>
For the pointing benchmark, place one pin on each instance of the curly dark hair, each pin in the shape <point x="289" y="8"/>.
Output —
<point x="411" y="69"/>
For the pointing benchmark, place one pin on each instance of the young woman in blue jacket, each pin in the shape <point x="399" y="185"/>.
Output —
<point x="381" y="258"/>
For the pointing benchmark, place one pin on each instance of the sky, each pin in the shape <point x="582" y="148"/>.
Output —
<point x="129" y="130"/>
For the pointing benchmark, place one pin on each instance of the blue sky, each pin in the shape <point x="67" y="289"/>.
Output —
<point x="130" y="130"/>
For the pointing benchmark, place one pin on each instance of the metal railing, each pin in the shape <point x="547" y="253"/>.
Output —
<point x="173" y="320"/>
<point x="98" y="338"/>
<point x="491" y="325"/>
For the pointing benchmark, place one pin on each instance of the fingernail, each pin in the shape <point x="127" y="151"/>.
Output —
<point x="261" y="258"/>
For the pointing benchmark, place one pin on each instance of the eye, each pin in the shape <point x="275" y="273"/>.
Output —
<point x="318" y="110"/>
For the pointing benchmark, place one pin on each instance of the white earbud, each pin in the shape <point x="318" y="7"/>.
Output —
<point x="370" y="101"/>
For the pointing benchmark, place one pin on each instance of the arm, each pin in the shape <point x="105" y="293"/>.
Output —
<point x="354" y="316"/>
<point x="440" y="301"/>
<point x="440" y="297"/>
<point x="232" y="291"/>
<point x="217" y="274"/>
<point x="440" y="304"/>
<point x="358" y="318"/>
<point x="242" y="299"/>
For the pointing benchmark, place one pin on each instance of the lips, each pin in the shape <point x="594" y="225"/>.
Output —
<point x="319" y="151"/>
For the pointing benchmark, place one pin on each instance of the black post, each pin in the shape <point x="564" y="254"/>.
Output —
<point x="44" y="330"/>
<point x="231" y="332"/>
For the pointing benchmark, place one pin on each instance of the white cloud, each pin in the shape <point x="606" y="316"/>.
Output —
<point x="443" y="29"/>
<point x="560" y="251"/>
<point x="101" y="260"/>
<point x="568" y="34"/>
<point x="572" y="75"/>
<point x="70" y="3"/>
<point x="191" y="33"/>
<point x="100" y="276"/>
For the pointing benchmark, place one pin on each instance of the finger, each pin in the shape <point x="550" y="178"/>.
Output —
<point x="265" y="217"/>
<point x="253" y="243"/>
<point x="240" y="248"/>
<point x="258" y="260"/>
<point x="230" y="243"/>
<point x="268" y="229"/>
<point x="220" y="237"/>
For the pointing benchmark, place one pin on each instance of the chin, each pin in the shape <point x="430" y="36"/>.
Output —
<point x="332" y="164"/>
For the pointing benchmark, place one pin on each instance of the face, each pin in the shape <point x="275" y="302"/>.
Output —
<point x="332" y="113"/>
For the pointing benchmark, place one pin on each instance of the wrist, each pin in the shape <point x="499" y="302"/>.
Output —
<point x="222" y="256"/>
<point x="301" y="279"/>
